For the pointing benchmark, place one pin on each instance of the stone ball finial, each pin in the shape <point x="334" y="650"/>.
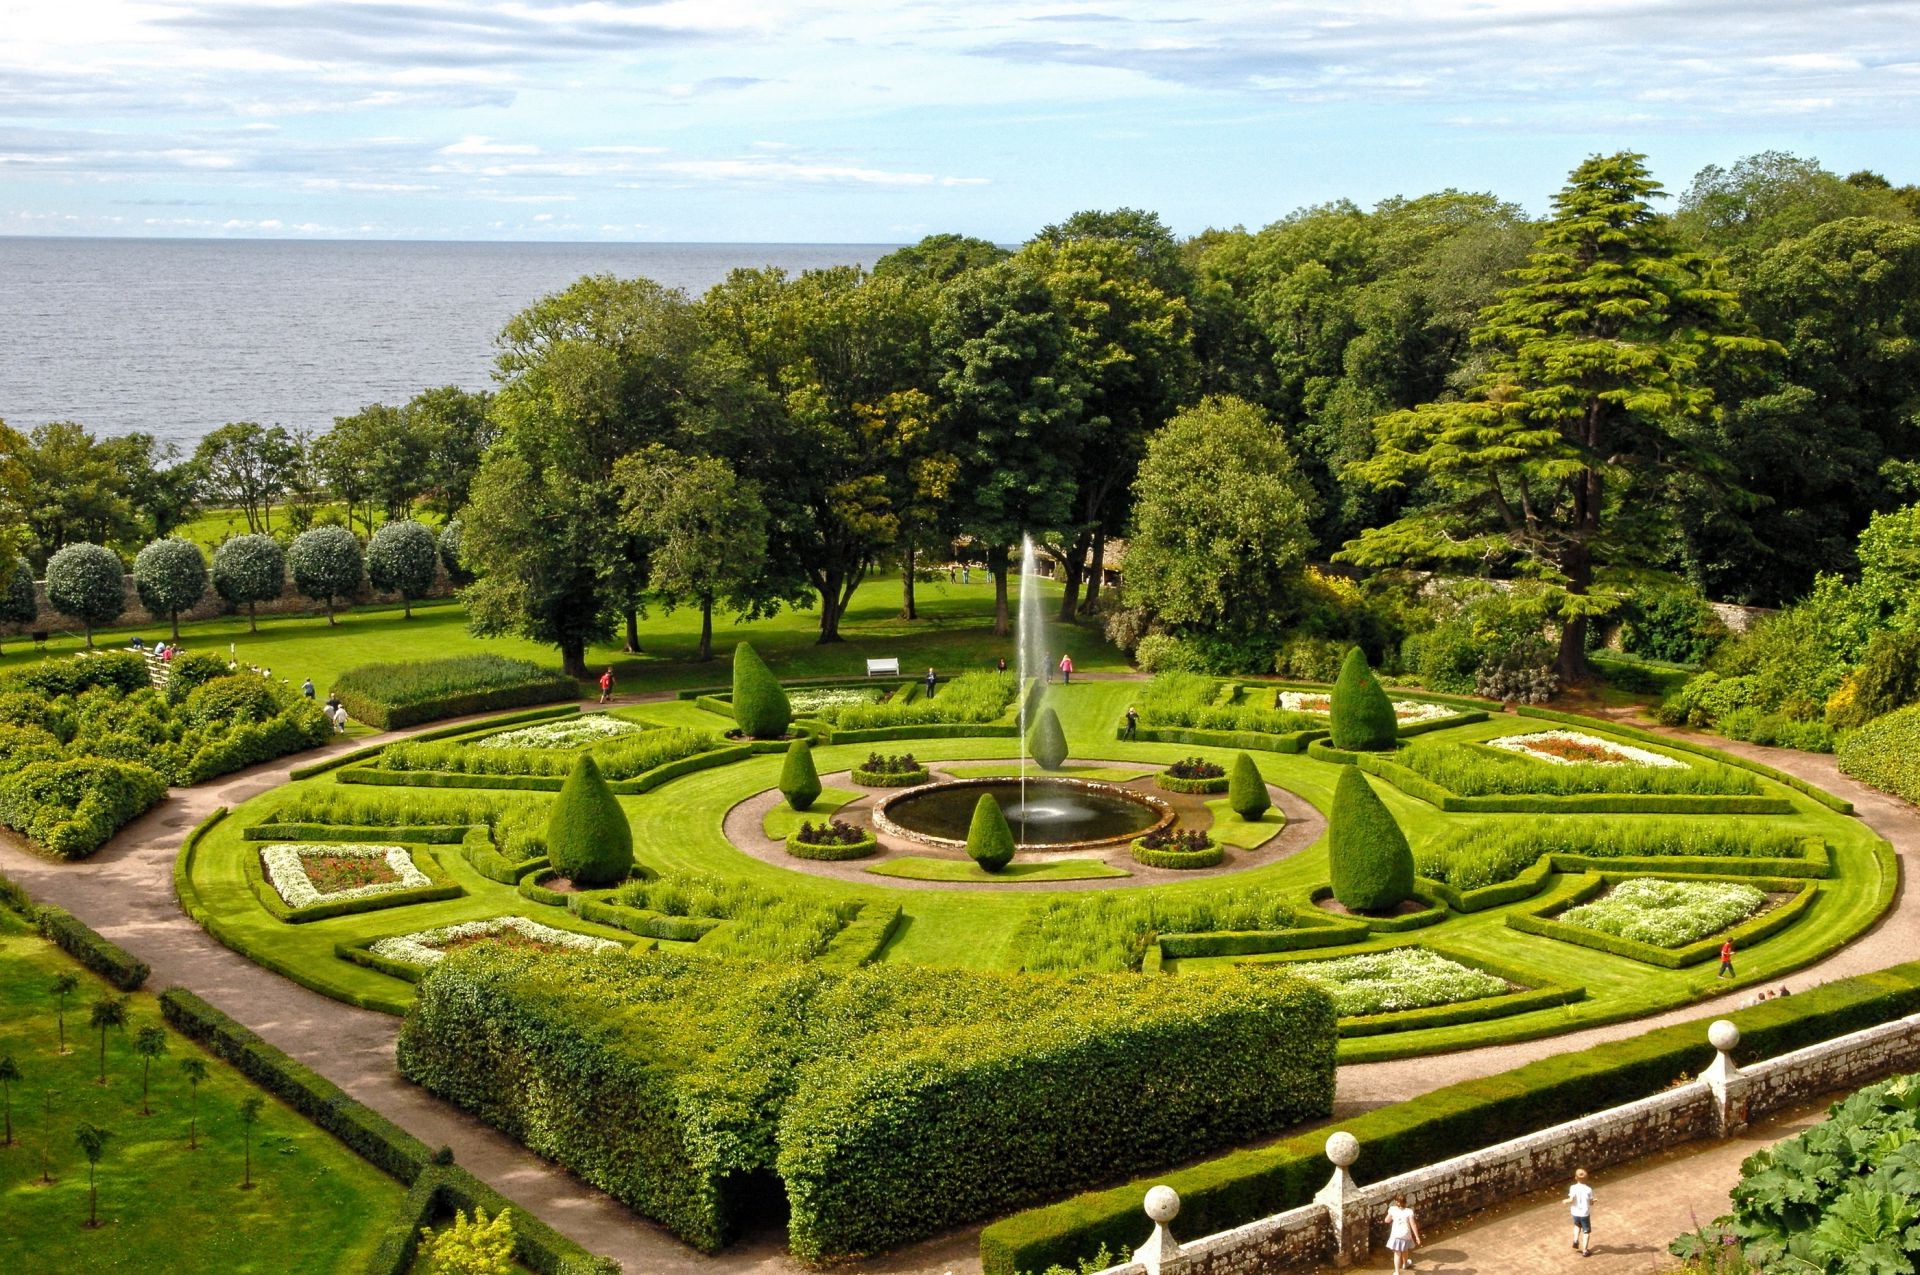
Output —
<point x="1163" y="1204"/>
<point x="1343" y="1149"/>
<point x="1723" y="1035"/>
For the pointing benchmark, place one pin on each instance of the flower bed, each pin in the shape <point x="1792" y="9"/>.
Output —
<point x="890" y="772"/>
<point x="1407" y="712"/>
<point x="1174" y="847"/>
<point x="829" y="700"/>
<point x="1666" y="913"/>
<point x="426" y="947"/>
<point x="830" y="842"/>
<point x="1193" y="774"/>
<point x="305" y="874"/>
<point x="1574" y="748"/>
<point x="571" y="732"/>
<point x="1397" y="979"/>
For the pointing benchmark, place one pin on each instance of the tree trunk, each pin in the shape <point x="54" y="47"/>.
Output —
<point x="706" y="630"/>
<point x="998" y="564"/>
<point x="330" y="619"/>
<point x="89" y="629"/>
<point x="1096" y="570"/>
<point x="573" y="657"/>
<point x="827" y="584"/>
<point x="633" y="631"/>
<point x="907" y="559"/>
<point x="176" y="626"/>
<point x="1072" y="571"/>
<point x="406" y="607"/>
<point x="253" y="620"/>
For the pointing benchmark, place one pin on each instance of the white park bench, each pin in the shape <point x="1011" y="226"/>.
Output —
<point x="889" y="667"/>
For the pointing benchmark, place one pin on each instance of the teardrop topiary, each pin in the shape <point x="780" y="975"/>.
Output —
<point x="760" y="706"/>
<point x="1363" y="719"/>
<point x="1246" y="791"/>
<point x="989" y="839"/>
<point x="799" y="781"/>
<point x="1372" y="865"/>
<point x="1046" y="742"/>
<point x="588" y="840"/>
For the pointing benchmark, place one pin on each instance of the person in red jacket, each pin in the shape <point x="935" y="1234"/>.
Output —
<point x="1726" y="960"/>
<point x="606" y="685"/>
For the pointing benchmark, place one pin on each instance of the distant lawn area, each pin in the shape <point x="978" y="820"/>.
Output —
<point x="953" y="634"/>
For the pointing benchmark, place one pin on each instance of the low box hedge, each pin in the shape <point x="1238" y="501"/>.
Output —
<point x="1486" y="1009"/>
<point x="441" y="887"/>
<point x="430" y="834"/>
<point x="1408" y="730"/>
<point x="834" y="852"/>
<point x="863" y="938"/>
<point x="1433" y="913"/>
<point x="1529" y="882"/>
<point x="890" y="779"/>
<point x="1251" y="942"/>
<point x="1417" y="785"/>
<point x="1293" y="742"/>
<point x="407" y="693"/>
<point x="1245" y="1186"/>
<point x="86" y="945"/>
<point x="642" y="921"/>
<point x="1211" y="857"/>
<point x="1211" y="784"/>
<point x="1541" y="921"/>
<point x="443" y="732"/>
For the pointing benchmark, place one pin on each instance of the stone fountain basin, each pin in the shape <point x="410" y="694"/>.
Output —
<point x="1043" y="791"/>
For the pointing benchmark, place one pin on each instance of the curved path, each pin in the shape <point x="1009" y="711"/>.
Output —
<point x="126" y="892"/>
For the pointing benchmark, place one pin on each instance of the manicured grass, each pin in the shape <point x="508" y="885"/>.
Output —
<point x="316" y="1207"/>
<point x="918" y="868"/>
<point x="783" y="819"/>
<point x="1248" y="834"/>
<point x="1101" y="774"/>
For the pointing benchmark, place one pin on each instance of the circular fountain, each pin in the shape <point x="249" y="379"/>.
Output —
<point x="1045" y="813"/>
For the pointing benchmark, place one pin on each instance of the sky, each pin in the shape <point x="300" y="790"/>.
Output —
<point x="731" y="120"/>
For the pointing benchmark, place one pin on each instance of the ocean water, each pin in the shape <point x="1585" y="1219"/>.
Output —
<point x="176" y="337"/>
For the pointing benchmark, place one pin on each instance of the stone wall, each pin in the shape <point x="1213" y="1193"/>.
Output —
<point x="136" y="616"/>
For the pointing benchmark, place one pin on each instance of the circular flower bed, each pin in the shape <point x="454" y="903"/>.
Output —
<point x="1193" y="775"/>
<point x="1177" y="848"/>
<point x="890" y="772"/>
<point x="831" y="841"/>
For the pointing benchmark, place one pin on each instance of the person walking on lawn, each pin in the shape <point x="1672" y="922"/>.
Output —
<point x="931" y="679"/>
<point x="1133" y="721"/>
<point x="1066" y="669"/>
<point x="1726" y="960"/>
<point x="606" y="685"/>
<point x="1580" y="1202"/>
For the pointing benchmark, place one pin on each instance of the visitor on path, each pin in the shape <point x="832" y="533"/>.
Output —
<point x="336" y="712"/>
<point x="306" y="688"/>
<point x="1133" y="721"/>
<point x="1403" y="1234"/>
<point x="1726" y="960"/>
<point x="931" y="679"/>
<point x="1580" y="1201"/>
<point x="340" y="720"/>
<point x="1002" y="664"/>
<point x="606" y="685"/>
<point x="1066" y="669"/>
<point x="966" y="575"/>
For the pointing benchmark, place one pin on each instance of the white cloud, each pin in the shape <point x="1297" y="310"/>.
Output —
<point x="475" y="144"/>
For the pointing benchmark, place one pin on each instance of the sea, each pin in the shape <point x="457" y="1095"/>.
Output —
<point x="176" y="337"/>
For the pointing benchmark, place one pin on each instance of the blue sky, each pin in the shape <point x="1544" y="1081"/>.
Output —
<point x="880" y="122"/>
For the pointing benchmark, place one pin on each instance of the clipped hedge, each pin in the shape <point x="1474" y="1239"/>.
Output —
<point x="799" y="777"/>
<point x="86" y="945"/>
<point x="410" y="692"/>
<point x="1252" y="942"/>
<point x="374" y="750"/>
<point x="1247" y="794"/>
<point x="1216" y="783"/>
<point x="440" y="886"/>
<point x="1885" y="753"/>
<point x="1362" y="717"/>
<point x="1540" y="921"/>
<point x="72" y="808"/>
<point x="830" y="851"/>
<point x="1371" y="862"/>
<point x="1292" y="742"/>
<point x="863" y="938"/>
<point x="760" y="706"/>
<point x="890" y="778"/>
<point x="1414" y="784"/>
<point x="1211" y="857"/>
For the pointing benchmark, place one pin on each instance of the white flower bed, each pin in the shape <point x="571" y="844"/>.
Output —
<point x="286" y="870"/>
<point x="1667" y="913"/>
<point x="827" y="699"/>
<point x="1615" y="754"/>
<point x="572" y="732"/>
<point x="424" y="946"/>
<point x="1407" y="712"/>
<point x="1401" y="978"/>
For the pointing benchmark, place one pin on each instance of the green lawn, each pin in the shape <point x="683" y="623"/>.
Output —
<point x="211" y="526"/>
<point x="914" y="867"/>
<point x="317" y="1207"/>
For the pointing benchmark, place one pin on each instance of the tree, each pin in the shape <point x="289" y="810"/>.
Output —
<point x="1220" y="523"/>
<point x="477" y="1247"/>
<point x="449" y="546"/>
<point x="148" y="1043"/>
<point x="19" y="601"/>
<point x="108" y="1011"/>
<point x="93" y="1140"/>
<point x="88" y="583"/>
<point x="989" y="838"/>
<point x="1368" y="854"/>
<point x="588" y="838"/>
<point x="1246" y="791"/>
<point x="246" y="465"/>
<point x="249" y="1116"/>
<point x="704" y="527"/>
<point x="63" y="986"/>
<point x="1046" y="742"/>
<point x="326" y="565"/>
<point x="1766" y="199"/>
<point x="161" y="488"/>
<point x="760" y="705"/>
<point x="194" y="1071"/>
<point x="76" y="489"/>
<point x="799" y="780"/>
<point x="170" y="576"/>
<point x="378" y="461"/>
<point x="1361" y="715"/>
<point x="1597" y="369"/>
<point x="938" y="258"/>
<point x="457" y="429"/>
<point x="9" y="1077"/>
<point x="249" y="570"/>
<point x="402" y="558"/>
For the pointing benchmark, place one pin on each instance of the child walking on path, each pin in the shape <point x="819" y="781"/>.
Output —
<point x="1403" y="1234"/>
<point x="1066" y="669"/>
<point x="1726" y="960"/>
<point x="1580" y="1201"/>
<point x="606" y="685"/>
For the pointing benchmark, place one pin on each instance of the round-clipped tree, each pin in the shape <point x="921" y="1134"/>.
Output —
<point x="1372" y="865"/>
<point x="1246" y="791"/>
<point x="588" y="840"/>
<point x="760" y="706"/>
<point x="326" y="565"/>
<point x="249" y="570"/>
<point x="170" y="576"/>
<point x="87" y="583"/>
<point x="19" y="602"/>
<point x="799" y="781"/>
<point x="1046" y="742"/>
<point x="1363" y="719"/>
<point x="401" y="558"/>
<point x="449" y="546"/>
<point x="989" y="838"/>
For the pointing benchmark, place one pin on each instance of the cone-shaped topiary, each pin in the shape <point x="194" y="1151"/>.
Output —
<point x="1363" y="719"/>
<point x="799" y="781"/>
<point x="759" y="705"/>
<point x="1246" y="791"/>
<point x="1046" y="742"/>
<point x="588" y="840"/>
<point x="989" y="839"/>
<point x="1372" y="866"/>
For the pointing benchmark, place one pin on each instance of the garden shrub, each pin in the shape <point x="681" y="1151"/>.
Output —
<point x="989" y="839"/>
<point x="1177" y="848"/>
<point x="19" y="600"/>
<point x="1371" y="864"/>
<point x="1309" y="659"/>
<point x="170" y="576"/>
<point x="1886" y="753"/>
<point x="1362" y="716"/>
<point x="1111" y="930"/>
<point x="187" y="673"/>
<point x="621" y="757"/>
<point x="799" y="780"/>
<point x="1193" y="775"/>
<point x="1478" y="771"/>
<point x="760" y="705"/>
<point x="122" y="671"/>
<point x="1046" y="741"/>
<point x="86" y="945"/>
<point x="1888" y="678"/>
<point x="832" y="841"/>
<point x="248" y="570"/>
<point x="971" y="698"/>
<point x="588" y="839"/>
<point x="326" y="565"/>
<point x="1246" y="791"/>
<point x="764" y="925"/>
<point x="234" y="697"/>
<point x="1159" y="653"/>
<point x="1482" y="855"/>
<point x="401" y="559"/>
<point x="1191" y="701"/>
<point x="1674" y="624"/>
<point x="890" y="771"/>
<point x="21" y="745"/>
<point x="87" y="582"/>
<point x="71" y="808"/>
<point x="391" y="696"/>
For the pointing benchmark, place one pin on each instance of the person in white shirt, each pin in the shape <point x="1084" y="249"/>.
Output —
<point x="1403" y="1233"/>
<point x="1580" y="1200"/>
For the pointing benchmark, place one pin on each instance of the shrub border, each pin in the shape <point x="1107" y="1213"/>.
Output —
<point x="1178" y="860"/>
<point x="426" y="736"/>
<point x="1540" y="920"/>
<point x="1217" y="784"/>
<point x="1416" y="785"/>
<point x="890" y="779"/>
<point x="76" y="938"/>
<point x="836" y="853"/>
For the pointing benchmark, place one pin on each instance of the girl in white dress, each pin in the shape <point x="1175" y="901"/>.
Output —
<point x="1403" y="1235"/>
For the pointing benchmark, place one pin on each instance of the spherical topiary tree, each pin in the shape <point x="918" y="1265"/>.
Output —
<point x="759" y="704"/>
<point x="248" y="570"/>
<point x="19" y="602"/>
<point x="1046" y="742"/>
<point x="989" y="838"/>
<point x="87" y="583"/>
<point x="1363" y="719"/>
<point x="170" y="576"/>
<point x="326" y="565"/>
<point x="588" y="840"/>
<point x="449" y="544"/>
<point x="401" y="559"/>
<point x="1246" y="791"/>
<point x="1372" y="866"/>
<point x="799" y="781"/>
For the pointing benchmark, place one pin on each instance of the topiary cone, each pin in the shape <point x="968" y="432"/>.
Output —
<point x="760" y="706"/>
<point x="1372" y="865"/>
<point x="1046" y="742"/>
<point x="799" y="781"/>
<point x="1363" y="719"/>
<point x="588" y="839"/>
<point x="989" y="839"/>
<point x="1246" y="791"/>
